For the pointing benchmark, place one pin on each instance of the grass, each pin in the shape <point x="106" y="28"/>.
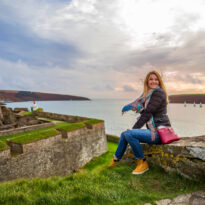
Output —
<point x="31" y="136"/>
<point x="73" y="126"/>
<point x="33" y="132"/>
<point x="35" y="136"/>
<point x="96" y="183"/>
<point x="93" y="121"/>
<point x="3" y="146"/>
<point x="26" y="113"/>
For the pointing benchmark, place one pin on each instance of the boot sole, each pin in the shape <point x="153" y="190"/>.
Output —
<point x="137" y="173"/>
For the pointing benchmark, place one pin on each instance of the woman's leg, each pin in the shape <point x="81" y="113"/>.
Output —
<point x="135" y="136"/>
<point x="121" y="147"/>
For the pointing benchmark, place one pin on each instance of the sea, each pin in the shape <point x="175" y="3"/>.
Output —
<point x="187" y="121"/>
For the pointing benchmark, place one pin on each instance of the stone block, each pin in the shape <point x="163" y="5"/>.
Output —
<point x="4" y="154"/>
<point x="15" y="147"/>
<point x="195" y="198"/>
<point x="16" y="110"/>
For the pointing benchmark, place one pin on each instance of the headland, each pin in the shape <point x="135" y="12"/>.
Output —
<point x="20" y="96"/>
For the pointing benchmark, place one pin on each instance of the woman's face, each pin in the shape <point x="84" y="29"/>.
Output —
<point x="153" y="81"/>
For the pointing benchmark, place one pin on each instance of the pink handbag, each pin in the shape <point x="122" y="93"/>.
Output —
<point x="167" y="135"/>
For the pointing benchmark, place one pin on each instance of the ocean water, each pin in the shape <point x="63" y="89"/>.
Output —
<point x="187" y="121"/>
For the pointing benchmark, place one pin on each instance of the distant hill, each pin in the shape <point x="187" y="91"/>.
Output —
<point x="20" y="96"/>
<point x="188" y="98"/>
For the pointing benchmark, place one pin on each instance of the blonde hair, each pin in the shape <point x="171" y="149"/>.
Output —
<point x="161" y="84"/>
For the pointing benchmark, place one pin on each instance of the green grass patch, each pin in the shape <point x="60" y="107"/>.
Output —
<point x="39" y="110"/>
<point x="26" y="113"/>
<point x="33" y="132"/>
<point x="3" y="146"/>
<point x="35" y="136"/>
<point x="73" y="126"/>
<point x="96" y="183"/>
<point x="93" y="121"/>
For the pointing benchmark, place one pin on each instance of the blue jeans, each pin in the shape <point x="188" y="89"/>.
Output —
<point x="134" y="137"/>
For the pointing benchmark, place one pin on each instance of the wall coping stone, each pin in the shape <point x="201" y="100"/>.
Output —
<point x="25" y="128"/>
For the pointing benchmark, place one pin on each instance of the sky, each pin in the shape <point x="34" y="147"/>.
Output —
<point x="101" y="48"/>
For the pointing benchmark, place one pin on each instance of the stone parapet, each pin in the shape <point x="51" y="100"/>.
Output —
<point x="56" y="155"/>
<point x="60" y="117"/>
<point x="186" y="156"/>
<point x="25" y="128"/>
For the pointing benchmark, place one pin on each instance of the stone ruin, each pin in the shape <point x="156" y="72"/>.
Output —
<point x="10" y="119"/>
<point x="56" y="155"/>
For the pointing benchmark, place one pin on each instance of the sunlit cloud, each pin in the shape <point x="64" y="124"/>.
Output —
<point x="102" y="48"/>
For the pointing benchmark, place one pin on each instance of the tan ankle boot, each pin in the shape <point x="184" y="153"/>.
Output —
<point x="113" y="162"/>
<point x="142" y="166"/>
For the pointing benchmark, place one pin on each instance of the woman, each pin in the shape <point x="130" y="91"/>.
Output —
<point x="152" y="106"/>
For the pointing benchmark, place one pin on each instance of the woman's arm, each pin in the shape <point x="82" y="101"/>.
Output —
<point x="158" y="96"/>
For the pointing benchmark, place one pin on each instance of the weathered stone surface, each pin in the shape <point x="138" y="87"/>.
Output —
<point x="9" y="119"/>
<point x="195" y="198"/>
<point x="163" y="202"/>
<point x="6" y="127"/>
<point x="17" y="109"/>
<point x="197" y="152"/>
<point x="8" y="115"/>
<point x="27" y="120"/>
<point x="5" y="154"/>
<point x="55" y="155"/>
<point x="182" y="199"/>
<point x="186" y="156"/>
<point x="1" y="114"/>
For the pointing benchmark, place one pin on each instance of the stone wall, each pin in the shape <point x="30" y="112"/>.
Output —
<point x="186" y="156"/>
<point x="57" y="155"/>
<point x="25" y="129"/>
<point x="60" y="117"/>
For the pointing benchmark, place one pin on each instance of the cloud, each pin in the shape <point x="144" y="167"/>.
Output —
<point x="101" y="48"/>
<point x="18" y="43"/>
<point x="128" y="88"/>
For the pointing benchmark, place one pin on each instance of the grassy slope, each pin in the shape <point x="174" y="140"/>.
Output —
<point x="96" y="183"/>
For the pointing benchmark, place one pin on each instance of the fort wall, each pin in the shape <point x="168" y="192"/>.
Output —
<point x="59" y="155"/>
